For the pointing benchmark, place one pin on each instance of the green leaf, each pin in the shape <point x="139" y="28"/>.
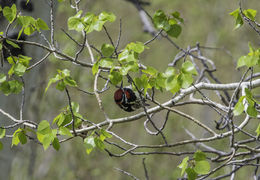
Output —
<point x="250" y="13"/>
<point x="192" y="175"/>
<point x="10" y="13"/>
<point x="26" y="21"/>
<point x="95" y="68"/>
<point x="141" y="82"/>
<point x="12" y="60"/>
<point x="124" y="55"/>
<point x="29" y="30"/>
<point x="239" y="107"/>
<point x="137" y="47"/>
<point x="8" y="87"/>
<point x="184" y="164"/>
<point x="241" y="61"/>
<point x="170" y="71"/>
<point x="89" y="144"/>
<point x="160" y="81"/>
<point x="1" y="146"/>
<point x="24" y="60"/>
<point x="51" y="81"/>
<point x="99" y="143"/>
<point x="56" y="144"/>
<point x="46" y="136"/>
<point x="185" y="80"/>
<point x="248" y="61"/>
<point x="64" y="73"/>
<point x="199" y="156"/>
<point x="75" y="107"/>
<point x="175" y="30"/>
<point x="172" y="83"/>
<point x="19" y="69"/>
<point x="41" y="24"/>
<point x="44" y="127"/>
<point x="15" y="139"/>
<point x="65" y="120"/>
<point x="59" y="119"/>
<point x="237" y="17"/>
<point x="150" y="70"/>
<point x="11" y="71"/>
<point x="5" y="88"/>
<point x="188" y="68"/>
<point x="176" y="15"/>
<point x="46" y="141"/>
<point x="12" y="44"/>
<point x="22" y="137"/>
<point x="258" y="130"/>
<point x="106" y="62"/>
<point x="115" y="77"/>
<point x="2" y="133"/>
<point x="75" y="22"/>
<point x="106" y="16"/>
<point x="202" y="167"/>
<point x="65" y="131"/>
<point x="160" y="20"/>
<point x="105" y="133"/>
<point x="69" y="81"/>
<point x="88" y="18"/>
<point x="251" y="111"/>
<point x="96" y="25"/>
<point x="15" y="86"/>
<point x="248" y="93"/>
<point x="107" y="50"/>
<point x="2" y="77"/>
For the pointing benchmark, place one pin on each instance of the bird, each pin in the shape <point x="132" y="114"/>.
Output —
<point x="127" y="99"/>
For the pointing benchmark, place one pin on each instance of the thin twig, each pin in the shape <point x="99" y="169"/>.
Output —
<point x="154" y="37"/>
<point x="39" y="62"/>
<point x="119" y="36"/>
<point x="52" y="23"/>
<point x="127" y="173"/>
<point x="23" y="100"/>
<point x="82" y="47"/>
<point x="145" y="170"/>
<point x="99" y="99"/>
<point x="71" y="111"/>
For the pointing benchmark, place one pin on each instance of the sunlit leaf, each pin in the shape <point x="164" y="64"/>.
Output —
<point x="2" y="133"/>
<point x="65" y="131"/>
<point x="199" y="156"/>
<point x="192" y="175"/>
<point x="202" y="167"/>
<point x="184" y="165"/>
<point x="56" y="144"/>
<point x="107" y="50"/>
<point x="2" y="77"/>
<point x="239" y="107"/>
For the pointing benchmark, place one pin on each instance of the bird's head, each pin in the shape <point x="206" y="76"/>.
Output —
<point x="119" y="96"/>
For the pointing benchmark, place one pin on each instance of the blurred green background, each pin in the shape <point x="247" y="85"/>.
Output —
<point x="205" y="21"/>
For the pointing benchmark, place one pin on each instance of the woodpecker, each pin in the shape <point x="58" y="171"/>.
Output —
<point x="126" y="99"/>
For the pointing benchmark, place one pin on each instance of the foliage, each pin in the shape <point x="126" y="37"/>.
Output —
<point x="198" y="165"/>
<point x="187" y="79"/>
